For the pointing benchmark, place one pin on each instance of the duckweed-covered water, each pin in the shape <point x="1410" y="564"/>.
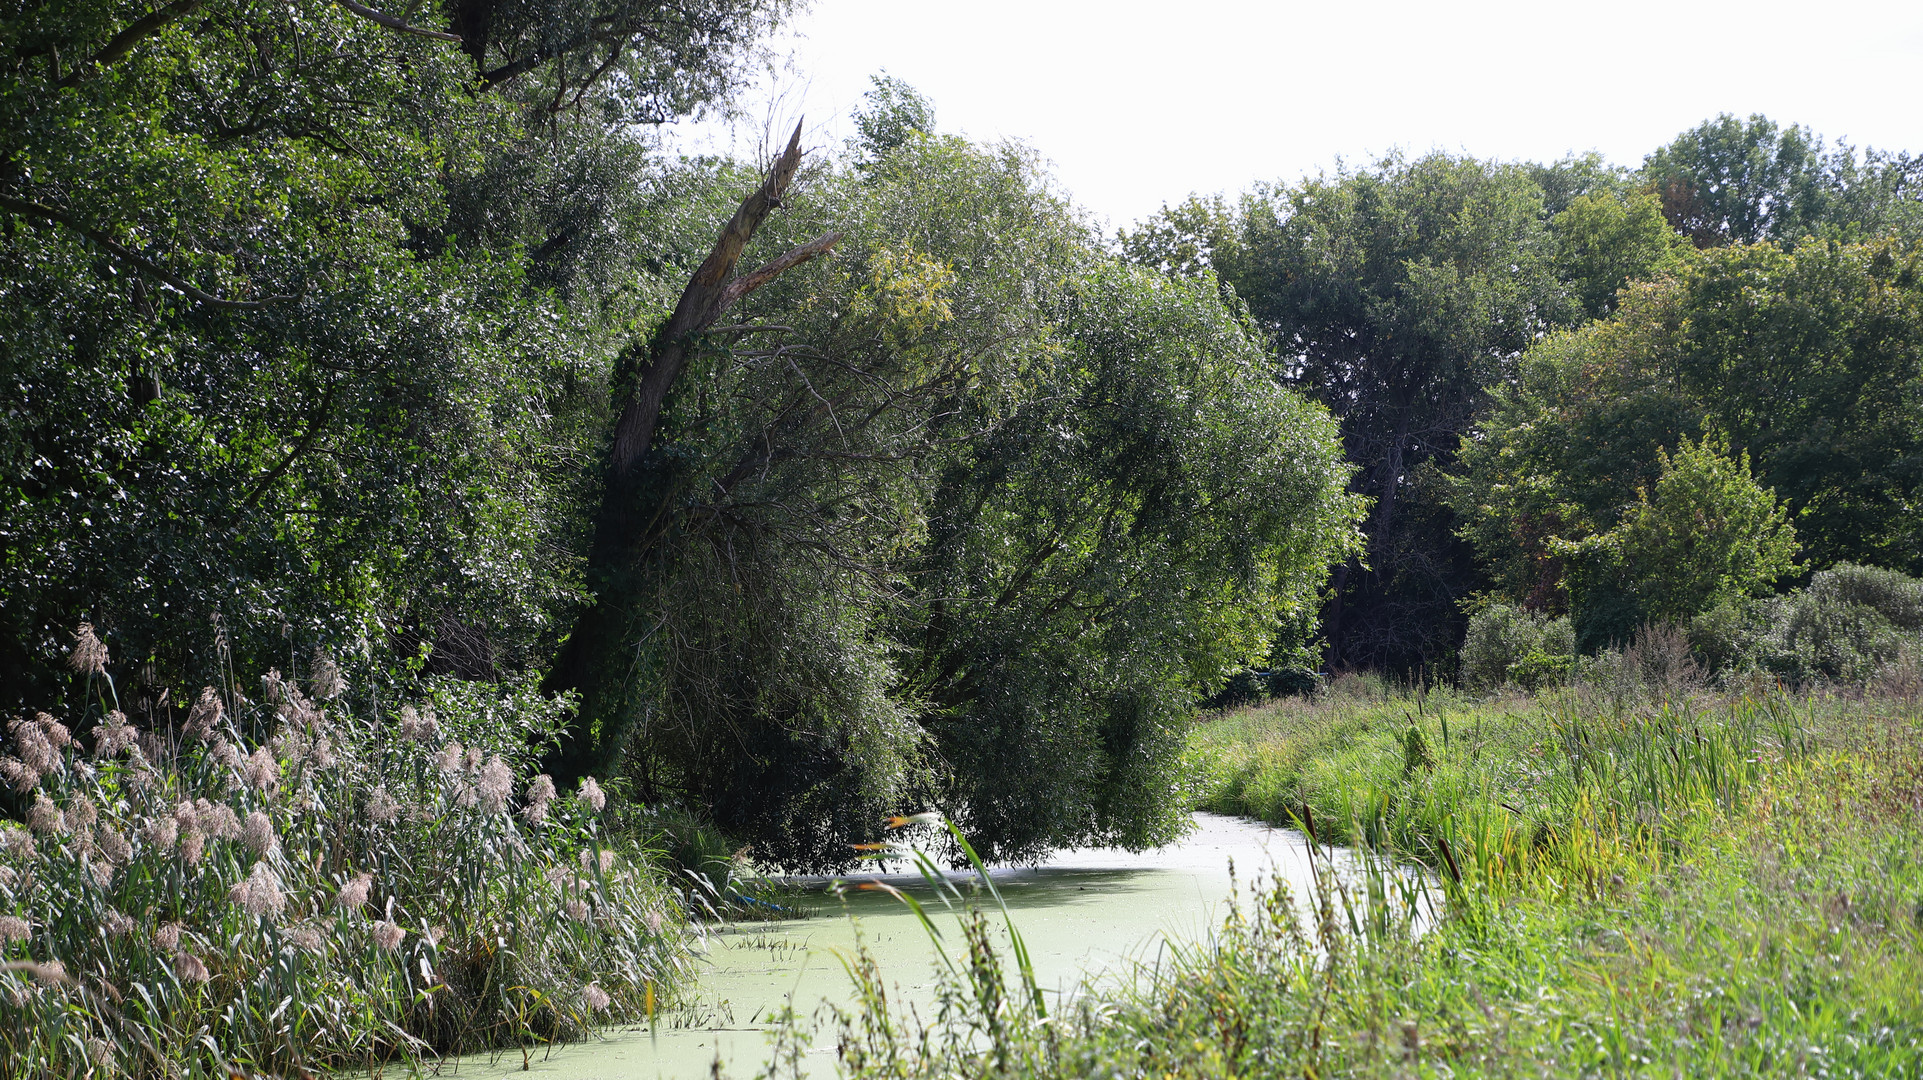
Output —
<point x="1082" y="912"/>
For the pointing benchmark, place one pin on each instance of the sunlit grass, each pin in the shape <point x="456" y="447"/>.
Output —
<point x="1706" y="886"/>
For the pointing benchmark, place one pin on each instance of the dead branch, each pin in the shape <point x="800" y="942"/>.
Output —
<point x="398" y="25"/>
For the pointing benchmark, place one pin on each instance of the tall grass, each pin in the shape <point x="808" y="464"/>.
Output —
<point x="290" y="884"/>
<point x="1655" y="887"/>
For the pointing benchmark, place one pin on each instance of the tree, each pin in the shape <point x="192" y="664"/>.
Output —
<point x="307" y="330"/>
<point x="1708" y="535"/>
<point x="1394" y="295"/>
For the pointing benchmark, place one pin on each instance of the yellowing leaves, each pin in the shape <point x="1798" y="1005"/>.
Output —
<point x="905" y="293"/>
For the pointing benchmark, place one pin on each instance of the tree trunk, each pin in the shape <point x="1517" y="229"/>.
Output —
<point x="602" y="658"/>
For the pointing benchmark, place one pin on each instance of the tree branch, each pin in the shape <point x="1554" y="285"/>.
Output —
<point x="48" y="213"/>
<point x="398" y="25"/>
<point x="709" y="293"/>
<point x="123" y="43"/>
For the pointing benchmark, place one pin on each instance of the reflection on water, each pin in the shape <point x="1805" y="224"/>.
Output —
<point x="1081" y="912"/>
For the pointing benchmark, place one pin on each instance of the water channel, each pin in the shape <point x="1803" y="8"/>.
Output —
<point x="1082" y="912"/>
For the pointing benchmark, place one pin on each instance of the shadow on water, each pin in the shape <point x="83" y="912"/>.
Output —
<point x="1082" y="913"/>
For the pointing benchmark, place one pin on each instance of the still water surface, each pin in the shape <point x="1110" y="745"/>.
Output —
<point x="1082" y="912"/>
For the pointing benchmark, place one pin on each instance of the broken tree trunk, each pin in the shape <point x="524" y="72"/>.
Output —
<point x="601" y="659"/>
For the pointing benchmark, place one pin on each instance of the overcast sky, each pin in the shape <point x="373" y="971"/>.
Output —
<point x="1138" y="105"/>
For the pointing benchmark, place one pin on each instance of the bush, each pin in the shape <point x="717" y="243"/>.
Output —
<point x="348" y="889"/>
<point x="1507" y="645"/>
<point x="1850" y="622"/>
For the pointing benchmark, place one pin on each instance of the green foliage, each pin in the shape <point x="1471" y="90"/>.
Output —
<point x="1729" y="181"/>
<point x="1605" y="241"/>
<point x="1508" y="645"/>
<point x="1394" y="295"/>
<point x="310" y="331"/>
<point x="1709" y="534"/>
<point x="293" y="886"/>
<point x="894" y="114"/>
<point x="1808" y="361"/>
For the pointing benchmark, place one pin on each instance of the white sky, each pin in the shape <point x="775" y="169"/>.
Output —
<point x="1140" y="104"/>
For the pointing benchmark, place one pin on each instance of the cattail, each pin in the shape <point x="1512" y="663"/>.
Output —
<point x="382" y="808"/>
<point x="540" y="792"/>
<point x="259" y="894"/>
<point x="204" y="716"/>
<point x="89" y="656"/>
<point x="595" y="997"/>
<point x="495" y="785"/>
<point x="258" y="833"/>
<point x="263" y="772"/>
<point x="354" y="894"/>
<point x="326" y="680"/>
<point x="14" y="928"/>
<point x="114" y="846"/>
<point x="590" y="795"/>
<point x="45" y="817"/>
<point x="188" y="968"/>
<point x="115" y="924"/>
<point x="306" y="938"/>
<point x="167" y="937"/>
<point x="388" y="935"/>
<point x="112" y="735"/>
<point x="416" y="726"/>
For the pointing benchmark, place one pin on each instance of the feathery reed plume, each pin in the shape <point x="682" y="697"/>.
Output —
<point x="21" y="776"/>
<point x="115" y="923"/>
<point x="114" y="847"/>
<point x="416" y="726"/>
<point x="205" y="716"/>
<point x="167" y="937"/>
<point x="14" y="928"/>
<point x="263" y="772"/>
<point x="590" y="795"/>
<point x="258" y="834"/>
<point x="56" y="732"/>
<point x="16" y="841"/>
<point x="218" y="819"/>
<point x="159" y="832"/>
<point x="306" y="939"/>
<point x="89" y="656"/>
<point x="326" y="680"/>
<point x="578" y="910"/>
<point x="45" y="817"/>
<point x="188" y="968"/>
<point x="353" y="895"/>
<point x="540" y="792"/>
<point x="259" y="894"/>
<point x="388" y="935"/>
<point x="112" y="735"/>
<point x="81" y="812"/>
<point x="382" y="808"/>
<point x="595" y="997"/>
<point x="495" y="785"/>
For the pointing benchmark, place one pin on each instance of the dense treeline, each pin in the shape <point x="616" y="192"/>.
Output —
<point x="329" y="332"/>
<point x="878" y="478"/>
<point x="1516" y="351"/>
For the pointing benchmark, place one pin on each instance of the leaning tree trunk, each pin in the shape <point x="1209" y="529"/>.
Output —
<point x="601" y="659"/>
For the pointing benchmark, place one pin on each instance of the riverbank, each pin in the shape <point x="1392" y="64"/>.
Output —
<point x="1701" y="886"/>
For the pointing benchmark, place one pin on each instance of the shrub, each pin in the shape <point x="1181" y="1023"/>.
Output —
<point x="1506" y="644"/>
<point x="348" y="889"/>
<point x="1849" y="622"/>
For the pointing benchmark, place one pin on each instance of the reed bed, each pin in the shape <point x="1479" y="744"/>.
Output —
<point x="288" y="884"/>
